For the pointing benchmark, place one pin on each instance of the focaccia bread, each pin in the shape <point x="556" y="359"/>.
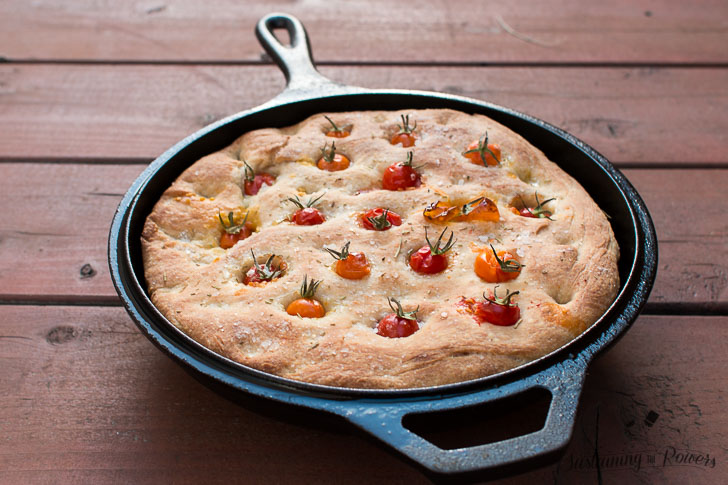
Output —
<point x="483" y="184"/>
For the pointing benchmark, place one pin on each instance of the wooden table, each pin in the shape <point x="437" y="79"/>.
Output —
<point x="92" y="91"/>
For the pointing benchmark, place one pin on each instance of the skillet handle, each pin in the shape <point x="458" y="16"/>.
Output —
<point x="295" y="60"/>
<point x="563" y="381"/>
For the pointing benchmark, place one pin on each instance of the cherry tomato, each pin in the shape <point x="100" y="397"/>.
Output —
<point x="228" y="240"/>
<point x="423" y="261"/>
<point x="309" y="216"/>
<point x="497" y="314"/>
<point x="481" y="209"/>
<point x="381" y="222"/>
<point x="338" y="162"/>
<point x="405" y="139"/>
<point x="354" y="267"/>
<point x="232" y="233"/>
<point x="252" y="187"/>
<point x="488" y="267"/>
<point x="405" y="136"/>
<point x="258" y="274"/>
<point x="441" y="212"/>
<point x="401" y="176"/>
<point x="481" y="148"/>
<point x="393" y="326"/>
<point x="306" y="308"/>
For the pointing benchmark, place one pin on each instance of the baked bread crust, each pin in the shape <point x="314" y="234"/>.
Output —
<point x="568" y="280"/>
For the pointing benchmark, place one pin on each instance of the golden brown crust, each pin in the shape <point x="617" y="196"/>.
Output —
<point x="569" y="278"/>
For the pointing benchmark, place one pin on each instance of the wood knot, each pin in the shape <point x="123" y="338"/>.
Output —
<point x="87" y="271"/>
<point x="61" y="334"/>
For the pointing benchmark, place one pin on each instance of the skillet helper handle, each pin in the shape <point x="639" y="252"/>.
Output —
<point x="295" y="60"/>
<point x="564" y="382"/>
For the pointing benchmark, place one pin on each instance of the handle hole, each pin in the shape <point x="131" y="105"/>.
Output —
<point x="282" y="35"/>
<point x="512" y="416"/>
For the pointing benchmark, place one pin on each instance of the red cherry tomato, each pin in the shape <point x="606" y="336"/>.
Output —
<point x="391" y="219"/>
<point x="497" y="314"/>
<point x="394" y="326"/>
<point x="228" y="240"/>
<point x="400" y="176"/>
<point x="252" y="187"/>
<point x="310" y="216"/>
<point x="423" y="261"/>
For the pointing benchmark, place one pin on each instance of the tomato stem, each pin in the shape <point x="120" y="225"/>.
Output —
<point x="435" y="248"/>
<point x="405" y="127"/>
<point x="249" y="172"/>
<point x="311" y="201"/>
<point x="400" y="311"/>
<point x="230" y="227"/>
<point x="505" y="301"/>
<point x="308" y="288"/>
<point x="510" y="266"/>
<point x="340" y="255"/>
<point x="380" y="222"/>
<point x="266" y="272"/>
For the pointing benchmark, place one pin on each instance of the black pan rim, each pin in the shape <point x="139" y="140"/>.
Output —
<point x="613" y="323"/>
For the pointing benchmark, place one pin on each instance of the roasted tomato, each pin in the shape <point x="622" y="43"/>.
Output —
<point x="497" y="267"/>
<point x="405" y="136"/>
<point x="253" y="182"/>
<point x="401" y="175"/>
<point x="307" y="306"/>
<point x="481" y="209"/>
<point x="336" y="131"/>
<point x="232" y="233"/>
<point x="306" y="215"/>
<point x="332" y="161"/>
<point x="431" y="259"/>
<point x="352" y="266"/>
<point x="537" y="212"/>
<point x="483" y="153"/>
<point x="498" y="311"/>
<point x="441" y="212"/>
<point x="259" y="274"/>
<point x="380" y="219"/>
<point x="398" y="324"/>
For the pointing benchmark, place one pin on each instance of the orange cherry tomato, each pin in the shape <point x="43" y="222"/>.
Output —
<point x="354" y="267"/>
<point x="405" y="136"/>
<point x="405" y="139"/>
<point x="488" y="267"/>
<point x="337" y="162"/>
<point x="306" y="308"/>
<point x="482" y="209"/>
<point x="441" y="212"/>
<point x="483" y="153"/>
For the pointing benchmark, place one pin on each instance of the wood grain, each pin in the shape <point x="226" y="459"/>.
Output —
<point x="56" y="220"/>
<point x="463" y="31"/>
<point x="644" y="116"/>
<point x="86" y="398"/>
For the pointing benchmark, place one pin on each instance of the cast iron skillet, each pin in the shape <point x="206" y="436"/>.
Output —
<point x="380" y="412"/>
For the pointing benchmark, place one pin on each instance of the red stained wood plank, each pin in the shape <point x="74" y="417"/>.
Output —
<point x="373" y="31"/>
<point x="645" y="115"/>
<point x="86" y="398"/>
<point x="56" y="219"/>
